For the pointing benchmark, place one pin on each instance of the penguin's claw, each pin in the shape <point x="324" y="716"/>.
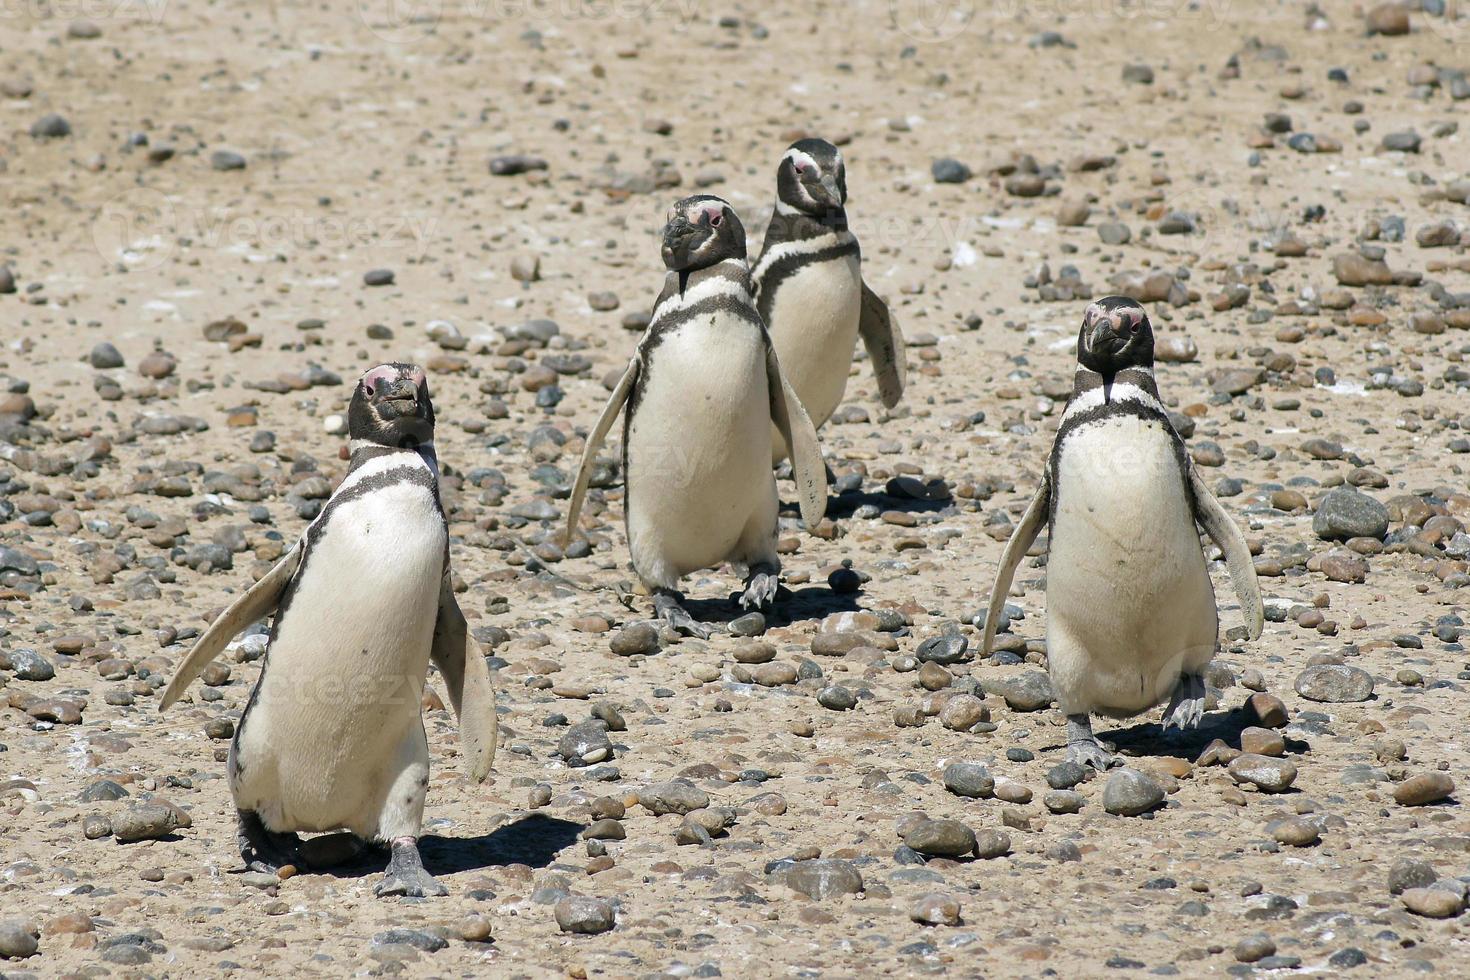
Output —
<point x="760" y="590"/>
<point x="263" y="850"/>
<point x="666" y="604"/>
<point x="1187" y="705"/>
<point x="406" y="875"/>
<point x="1092" y="754"/>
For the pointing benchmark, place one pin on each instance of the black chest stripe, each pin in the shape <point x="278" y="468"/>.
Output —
<point x="773" y="275"/>
<point x="1111" y="410"/>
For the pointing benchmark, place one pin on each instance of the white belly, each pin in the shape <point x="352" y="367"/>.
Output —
<point x="1128" y="595"/>
<point x="699" y="450"/>
<point x="814" y="326"/>
<point x="344" y="674"/>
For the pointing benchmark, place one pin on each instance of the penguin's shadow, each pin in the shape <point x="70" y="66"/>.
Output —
<point x="535" y="840"/>
<point x="845" y="505"/>
<point x="812" y="602"/>
<point x="1149" y="738"/>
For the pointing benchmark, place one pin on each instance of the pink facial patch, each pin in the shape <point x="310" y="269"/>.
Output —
<point x="383" y="374"/>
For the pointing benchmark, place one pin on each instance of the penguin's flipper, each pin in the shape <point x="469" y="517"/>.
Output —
<point x="795" y="426"/>
<point x="260" y="600"/>
<point x="1016" y="548"/>
<point x="467" y="678"/>
<point x="610" y="412"/>
<point x="1226" y="533"/>
<point x="884" y="342"/>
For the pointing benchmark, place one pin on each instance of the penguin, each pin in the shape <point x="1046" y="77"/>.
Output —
<point x="1130" y="611"/>
<point x="809" y="288"/>
<point x="332" y="736"/>
<point x="698" y="400"/>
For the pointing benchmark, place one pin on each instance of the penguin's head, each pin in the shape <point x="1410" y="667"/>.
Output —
<point x="391" y="408"/>
<point x="1115" y="335"/>
<point x="702" y="230"/>
<point x="812" y="178"/>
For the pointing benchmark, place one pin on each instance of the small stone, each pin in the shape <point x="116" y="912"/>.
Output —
<point x="1129" y="792"/>
<point x="949" y="171"/>
<point x="145" y="821"/>
<point x="1434" y="903"/>
<point x="1253" y="948"/>
<point x="936" y="909"/>
<point x="1266" y="774"/>
<point x="584" y="914"/>
<point x="474" y="929"/>
<point x="19" y="939"/>
<point x="1388" y="19"/>
<point x="835" y="697"/>
<point x="28" y="665"/>
<point x="676" y="796"/>
<point x="968" y="779"/>
<point x="1262" y="741"/>
<point x="963" y="712"/>
<point x="378" y="277"/>
<point x="225" y="160"/>
<point x="990" y="844"/>
<point x="1114" y="233"/>
<point x="1347" y="513"/>
<point x="104" y="357"/>
<point x="1334" y="684"/>
<point x="1409" y="873"/>
<point x="426" y="942"/>
<point x="1424" y="789"/>
<point x="1063" y="801"/>
<point x="821" y="879"/>
<point x="1296" y="832"/>
<point x="941" y="838"/>
<point x="1029" y="691"/>
<point x="50" y="127"/>
<point x="637" y="638"/>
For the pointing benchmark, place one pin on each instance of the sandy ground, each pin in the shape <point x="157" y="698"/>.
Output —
<point x="366" y="131"/>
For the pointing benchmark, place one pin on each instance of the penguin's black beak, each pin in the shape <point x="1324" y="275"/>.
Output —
<point x="681" y="240"/>
<point x="832" y="192"/>
<point x="1104" y="340"/>
<point x="402" y="395"/>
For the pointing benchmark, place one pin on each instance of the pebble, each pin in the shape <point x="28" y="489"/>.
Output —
<point x="104" y="357"/>
<point x="146" y="821"/>
<point x="821" y="879"/>
<point x="1433" y="903"/>
<point x="835" y="697"/>
<point x="948" y="171"/>
<point x="1129" y="792"/>
<point x="226" y="160"/>
<point x="1347" y="513"/>
<point x="941" y="838"/>
<point x="1028" y="691"/>
<point x="1407" y="872"/>
<point x="638" y="638"/>
<point x="1266" y="774"/>
<point x="28" y="665"/>
<point x="968" y="779"/>
<point x="19" y="939"/>
<point x="585" y="915"/>
<point x="1424" y="789"/>
<point x="936" y="909"/>
<point x="676" y="796"/>
<point x="50" y="127"/>
<point x="1334" y="684"/>
<point x="1296" y="832"/>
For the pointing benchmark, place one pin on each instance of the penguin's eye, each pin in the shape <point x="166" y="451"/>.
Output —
<point x="368" y="389"/>
<point x="801" y="168"/>
<point x="715" y="219"/>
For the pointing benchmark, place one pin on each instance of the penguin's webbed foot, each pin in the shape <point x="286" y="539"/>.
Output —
<point x="406" y="874"/>
<point x="760" y="588"/>
<point x="1187" y="705"/>
<point x="668" y="605"/>
<point x="1083" y="746"/>
<point x="264" y="850"/>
